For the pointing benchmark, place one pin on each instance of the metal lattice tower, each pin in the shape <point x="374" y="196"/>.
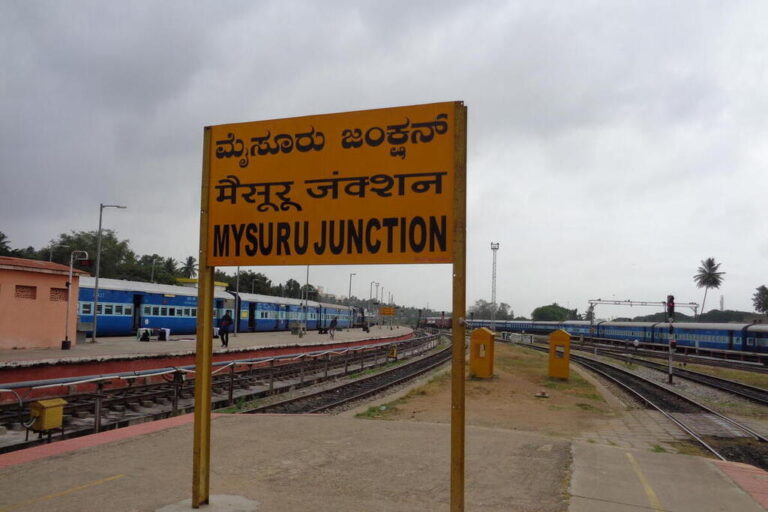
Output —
<point x="494" y="248"/>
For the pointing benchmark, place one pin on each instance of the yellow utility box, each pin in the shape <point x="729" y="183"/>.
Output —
<point x="481" y="353"/>
<point x="48" y="414"/>
<point x="559" y="354"/>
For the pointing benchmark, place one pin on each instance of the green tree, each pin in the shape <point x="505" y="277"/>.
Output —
<point x="189" y="269"/>
<point x="708" y="276"/>
<point x="760" y="300"/>
<point x="171" y="266"/>
<point x="5" y="245"/>
<point x="554" y="313"/>
<point x="309" y="292"/>
<point x="292" y="289"/>
<point x="115" y="254"/>
<point x="484" y="310"/>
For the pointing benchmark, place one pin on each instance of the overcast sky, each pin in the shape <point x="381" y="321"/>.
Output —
<point x="612" y="145"/>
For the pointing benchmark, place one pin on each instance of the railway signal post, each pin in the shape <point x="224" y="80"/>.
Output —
<point x="672" y="344"/>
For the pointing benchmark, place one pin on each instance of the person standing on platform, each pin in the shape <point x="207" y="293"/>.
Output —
<point x="332" y="327"/>
<point x="224" y="325"/>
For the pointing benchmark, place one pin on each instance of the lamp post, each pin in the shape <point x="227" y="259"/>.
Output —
<point x="152" y="274"/>
<point x="237" y="303"/>
<point x="82" y="255"/>
<point x="98" y="266"/>
<point x="349" y="296"/>
<point x="50" y="250"/>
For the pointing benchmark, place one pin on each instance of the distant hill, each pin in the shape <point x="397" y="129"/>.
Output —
<point x="714" y="316"/>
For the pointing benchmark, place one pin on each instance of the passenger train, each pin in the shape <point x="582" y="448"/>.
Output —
<point x="751" y="338"/>
<point x="125" y="306"/>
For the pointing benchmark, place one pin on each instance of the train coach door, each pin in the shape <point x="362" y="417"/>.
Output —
<point x="251" y="316"/>
<point x="137" y="299"/>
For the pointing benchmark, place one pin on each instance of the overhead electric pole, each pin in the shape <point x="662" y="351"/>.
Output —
<point x="494" y="248"/>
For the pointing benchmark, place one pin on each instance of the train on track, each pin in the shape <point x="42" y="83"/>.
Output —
<point x="749" y="338"/>
<point x="126" y="306"/>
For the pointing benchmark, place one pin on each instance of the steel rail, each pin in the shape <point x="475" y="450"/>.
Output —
<point x="592" y="364"/>
<point x="753" y="393"/>
<point x="438" y="358"/>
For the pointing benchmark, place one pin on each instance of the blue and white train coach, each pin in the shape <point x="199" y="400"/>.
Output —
<point x="124" y="306"/>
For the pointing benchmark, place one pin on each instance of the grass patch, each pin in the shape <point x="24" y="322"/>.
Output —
<point x="745" y="377"/>
<point x="690" y="448"/>
<point x="658" y="449"/>
<point x="389" y="409"/>
<point x="380" y="412"/>
<point x="576" y="386"/>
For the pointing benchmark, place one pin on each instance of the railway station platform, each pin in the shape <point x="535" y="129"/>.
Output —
<point x="129" y="345"/>
<point x="340" y="463"/>
<point x="116" y="354"/>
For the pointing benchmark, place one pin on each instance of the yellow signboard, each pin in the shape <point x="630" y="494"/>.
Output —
<point x="385" y="311"/>
<point x="374" y="186"/>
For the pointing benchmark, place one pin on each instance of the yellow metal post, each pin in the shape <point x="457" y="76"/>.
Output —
<point x="459" y="307"/>
<point x="201" y="457"/>
<point x="559" y="354"/>
<point x="481" y="353"/>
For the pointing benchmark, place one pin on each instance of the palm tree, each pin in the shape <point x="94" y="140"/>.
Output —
<point x="708" y="277"/>
<point x="5" y="247"/>
<point x="189" y="269"/>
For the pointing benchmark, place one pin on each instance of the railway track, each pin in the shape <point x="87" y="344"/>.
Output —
<point x="687" y="357"/>
<point x="105" y="409"/>
<point x="355" y="391"/>
<point x="724" y="437"/>
<point x="753" y="393"/>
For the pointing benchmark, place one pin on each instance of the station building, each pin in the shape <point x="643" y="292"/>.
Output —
<point x="33" y="303"/>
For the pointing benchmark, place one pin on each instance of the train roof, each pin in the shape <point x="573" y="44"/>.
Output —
<point x="270" y="299"/>
<point x="704" y="325"/>
<point x="257" y="297"/>
<point x="628" y="324"/>
<point x="757" y="328"/>
<point x="123" y="285"/>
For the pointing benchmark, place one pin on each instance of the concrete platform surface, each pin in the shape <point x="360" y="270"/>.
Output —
<point x="120" y="346"/>
<point x="296" y="463"/>
<point x="608" y="479"/>
<point x="332" y="463"/>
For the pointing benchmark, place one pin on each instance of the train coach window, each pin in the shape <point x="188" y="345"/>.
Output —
<point x="164" y="312"/>
<point x="118" y="309"/>
<point x="107" y="309"/>
<point x="193" y="311"/>
<point x="99" y="309"/>
<point x="171" y="311"/>
<point x="128" y="310"/>
<point x="87" y="308"/>
<point x="750" y="342"/>
<point x="155" y="311"/>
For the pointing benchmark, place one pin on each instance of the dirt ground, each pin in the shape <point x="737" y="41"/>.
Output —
<point x="509" y="400"/>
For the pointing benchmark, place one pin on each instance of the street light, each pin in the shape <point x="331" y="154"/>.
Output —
<point x="81" y="255"/>
<point x="50" y="250"/>
<point x="349" y="296"/>
<point x="98" y="265"/>
<point x="152" y="274"/>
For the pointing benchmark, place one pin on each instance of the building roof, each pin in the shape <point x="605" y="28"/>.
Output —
<point x="43" y="267"/>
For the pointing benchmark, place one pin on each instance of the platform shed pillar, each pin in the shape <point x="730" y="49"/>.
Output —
<point x="481" y="353"/>
<point x="559" y="354"/>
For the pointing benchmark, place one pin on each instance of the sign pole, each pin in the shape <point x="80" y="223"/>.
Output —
<point x="459" y="307"/>
<point x="201" y="456"/>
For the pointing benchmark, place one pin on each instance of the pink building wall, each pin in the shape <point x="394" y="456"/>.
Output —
<point x="33" y="304"/>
